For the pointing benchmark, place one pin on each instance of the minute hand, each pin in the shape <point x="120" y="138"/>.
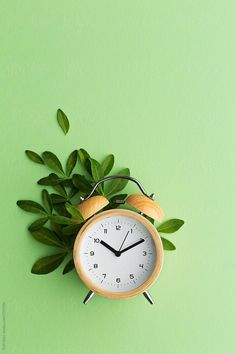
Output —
<point x="133" y="245"/>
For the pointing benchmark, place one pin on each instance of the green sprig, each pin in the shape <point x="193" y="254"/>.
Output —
<point x="59" y="218"/>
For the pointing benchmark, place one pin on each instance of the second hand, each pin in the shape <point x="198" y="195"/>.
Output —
<point x="123" y="241"/>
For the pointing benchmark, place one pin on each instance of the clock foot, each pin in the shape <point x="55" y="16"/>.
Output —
<point x="148" y="297"/>
<point x="88" y="297"/>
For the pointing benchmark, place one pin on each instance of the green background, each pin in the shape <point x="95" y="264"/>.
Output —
<point x="154" y="83"/>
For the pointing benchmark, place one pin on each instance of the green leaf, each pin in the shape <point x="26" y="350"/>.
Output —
<point x="57" y="229"/>
<point x="59" y="188"/>
<point x="30" y="206"/>
<point x="71" y="229"/>
<point x="47" y="237"/>
<point x="113" y="201"/>
<point x="107" y="164"/>
<point x="34" y="157"/>
<point x="51" y="180"/>
<point x="52" y="161"/>
<point x="47" y="201"/>
<point x="71" y="162"/>
<point x="62" y="220"/>
<point x="118" y="197"/>
<point x="84" y="159"/>
<point x="37" y="224"/>
<point x="47" y="264"/>
<point x="81" y="183"/>
<point x="57" y="199"/>
<point x="67" y="182"/>
<point x="74" y="212"/>
<point x="63" y="121"/>
<point x="118" y="185"/>
<point x="97" y="173"/>
<point x="152" y="221"/>
<point x="87" y="167"/>
<point x="72" y="192"/>
<point x="69" y="266"/>
<point x="83" y="156"/>
<point x="170" y="226"/>
<point x="60" y="209"/>
<point x="167" y="245"/>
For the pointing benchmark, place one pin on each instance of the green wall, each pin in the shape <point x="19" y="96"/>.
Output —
<point x="154" y="83"/>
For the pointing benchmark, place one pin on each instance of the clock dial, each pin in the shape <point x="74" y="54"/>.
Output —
<point x="117" y="253"/>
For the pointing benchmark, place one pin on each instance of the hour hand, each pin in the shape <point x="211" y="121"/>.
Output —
<point x="117" y="253"/>
<point x="133" y="245"/>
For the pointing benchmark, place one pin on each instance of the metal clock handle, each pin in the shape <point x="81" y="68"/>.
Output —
<point x="118" y="177"/>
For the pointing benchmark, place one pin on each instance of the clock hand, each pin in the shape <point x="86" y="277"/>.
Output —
<point x="133" y="245"/>
<point x="117" y="253"/>
<point x="123" y="241"/>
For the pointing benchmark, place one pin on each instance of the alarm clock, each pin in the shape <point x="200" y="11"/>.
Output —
<point x="118" y="253"/>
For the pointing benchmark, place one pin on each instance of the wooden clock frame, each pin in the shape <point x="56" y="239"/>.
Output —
<point x="157" y="267"/>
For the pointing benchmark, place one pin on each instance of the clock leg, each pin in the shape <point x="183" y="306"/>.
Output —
<point x="88" y="297"/>
<point x="148" y="297"/>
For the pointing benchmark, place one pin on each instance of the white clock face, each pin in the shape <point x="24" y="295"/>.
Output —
<point x="117" y="253"/>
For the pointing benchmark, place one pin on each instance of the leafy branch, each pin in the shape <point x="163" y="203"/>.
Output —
<point x="169" y="227"/>
<point x="59" y="219"/>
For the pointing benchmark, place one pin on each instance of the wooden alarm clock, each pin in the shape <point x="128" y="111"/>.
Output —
<point x="118" y="253"/>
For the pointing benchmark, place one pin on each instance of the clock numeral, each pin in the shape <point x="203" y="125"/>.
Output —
<point x="131" y="276"/>
<point x="131" y="231"/>
<point x="104" y="275"/>
<point x="118" y="227"/>
<point x="96" y="240"/>
<point x="95" y="265"/>
<point x="144" y="253"/>
<point x="141" y="265"/>
<point x="91" y="253"/>
<point x="105" y="231"/>
<point x="118" y="280"/>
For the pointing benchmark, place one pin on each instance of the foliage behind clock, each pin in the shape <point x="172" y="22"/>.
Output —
<point x="58" y="219"/>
